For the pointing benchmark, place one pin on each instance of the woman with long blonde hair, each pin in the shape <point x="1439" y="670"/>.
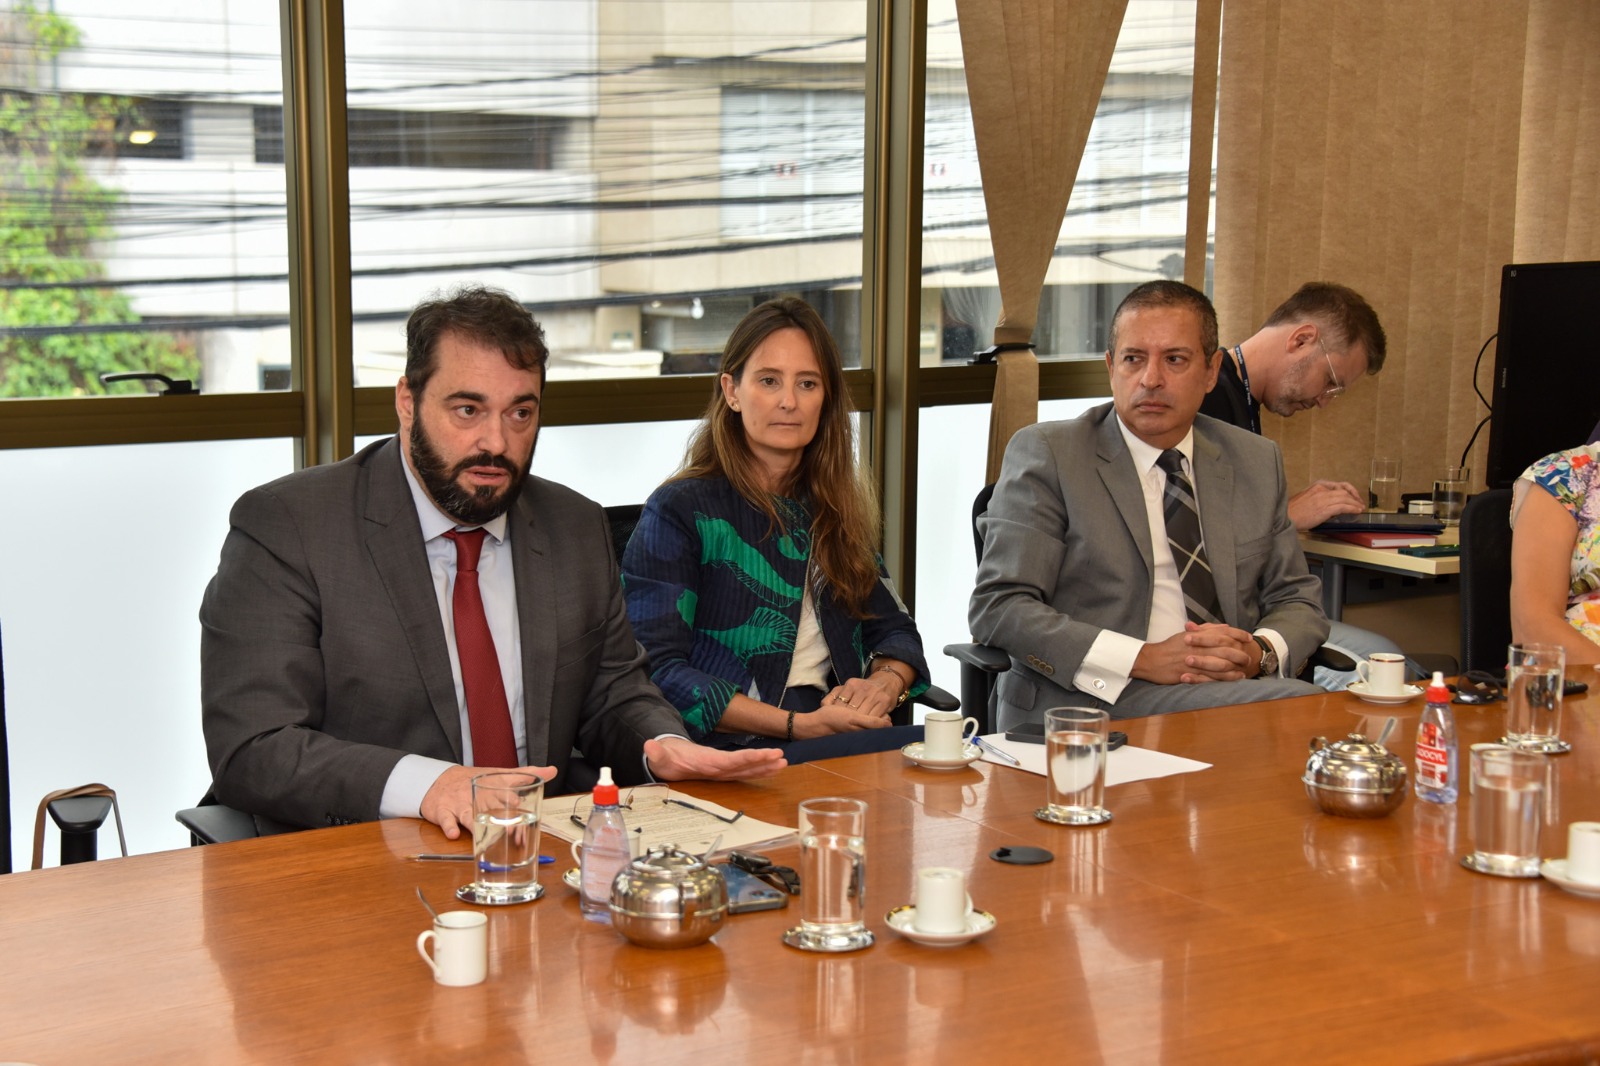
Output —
<point x="753" y="579"/>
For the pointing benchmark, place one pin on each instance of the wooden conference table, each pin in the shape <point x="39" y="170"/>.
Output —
<point x="1219" y="918"/>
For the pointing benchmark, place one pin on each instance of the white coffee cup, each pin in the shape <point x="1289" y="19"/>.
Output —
<point x="1583" y="852"/>
<point x="460" y="948"/>
<point x="1384" y="674"/>
<point x="942" y="901"/>
<point x="945" y="734"/>
<point x="577" y="854"/>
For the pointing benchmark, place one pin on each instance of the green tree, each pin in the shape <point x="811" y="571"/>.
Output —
<point x="51" y="214"/>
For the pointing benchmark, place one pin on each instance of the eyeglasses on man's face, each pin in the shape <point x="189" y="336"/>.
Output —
<point x="1335" y="386"/>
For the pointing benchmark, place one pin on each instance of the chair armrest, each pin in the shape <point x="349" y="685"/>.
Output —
<point x="938" y="699"/>
<point x="1329" y="659"/>
<point x="216" y="824"/>
<point x="988" y="659"/>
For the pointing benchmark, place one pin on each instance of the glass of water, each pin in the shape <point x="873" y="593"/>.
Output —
<point x="833" y="876"/>
<point x="1534" y="675"/>
<point x="1385" y="485"/>
<point x="1075" y="766"/>
<point x="1507" y="811"/>
<point x="505" y="839"/>
<point x="1450" y="494"/>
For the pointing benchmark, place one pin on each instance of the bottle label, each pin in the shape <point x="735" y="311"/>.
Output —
<point x="1433" y="761"/>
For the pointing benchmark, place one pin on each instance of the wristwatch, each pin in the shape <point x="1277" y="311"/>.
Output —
<point x="1269" y="658"/>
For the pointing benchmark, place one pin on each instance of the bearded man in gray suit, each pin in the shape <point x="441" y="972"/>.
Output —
<point x="1083" y="582"/>
<point x="332" y="679"/>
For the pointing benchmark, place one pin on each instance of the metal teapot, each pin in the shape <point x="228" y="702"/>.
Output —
<point x="1355" y="777"/>
<point x="668" y="898"/>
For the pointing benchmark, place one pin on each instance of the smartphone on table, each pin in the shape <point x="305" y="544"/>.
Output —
<point x="747" y="892"/>
<point x="1033" y="733"/>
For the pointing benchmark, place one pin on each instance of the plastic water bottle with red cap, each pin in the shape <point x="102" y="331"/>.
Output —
<point x="605" y="850"/>
<point x="1436" y="746"/>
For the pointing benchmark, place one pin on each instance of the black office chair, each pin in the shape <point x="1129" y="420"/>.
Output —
<point x="625" y="517"/>
<point x="982" y="664"/>
<point x="215" y="823"/>
<point x="1486" y="581"/>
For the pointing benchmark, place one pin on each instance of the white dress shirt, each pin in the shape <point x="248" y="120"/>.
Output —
<point x="413" y="775"/>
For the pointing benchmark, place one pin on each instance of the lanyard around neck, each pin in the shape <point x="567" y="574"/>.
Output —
<point x="1252" y="409"/>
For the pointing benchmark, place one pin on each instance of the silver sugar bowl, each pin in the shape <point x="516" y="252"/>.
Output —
<point x="1354" y="777"/>
<point x="668" y="898"/>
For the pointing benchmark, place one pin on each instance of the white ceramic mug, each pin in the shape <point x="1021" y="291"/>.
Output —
<point x="1583" y="852"/>
<point x="1384" y="674"/>
<point x="945" y="734"/>
<point x="460" y="948"/>
<point x="942" y="900"/>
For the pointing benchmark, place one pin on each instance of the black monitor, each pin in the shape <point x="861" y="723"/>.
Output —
<point x="1546" y="391"/>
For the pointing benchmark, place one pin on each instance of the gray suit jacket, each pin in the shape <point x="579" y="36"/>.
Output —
<point x="323" y="657"/>
<point x="1067" y="549"/>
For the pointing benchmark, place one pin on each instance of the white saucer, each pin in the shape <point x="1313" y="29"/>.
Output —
<point x="903" y="921"/>
<point x="970" y="753"/>
<point x="1555" y="870"/>
<point x="1358" y="689"/>
<point x="573" y="879"/>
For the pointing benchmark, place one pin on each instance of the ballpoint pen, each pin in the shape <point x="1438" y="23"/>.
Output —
<point x="544" y="860"/>
<point x="996" y="752"/>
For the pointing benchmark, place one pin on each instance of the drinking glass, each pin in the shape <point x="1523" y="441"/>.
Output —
<point x="1385" y="485"/>
<point x="1507" y="801"/>
<point x="1075" y="766"/>
<point x="833" y="876"/>
<point x="1534" y="674"/>
<point x="1450" y="494"/>
<point x="505" y="839"/>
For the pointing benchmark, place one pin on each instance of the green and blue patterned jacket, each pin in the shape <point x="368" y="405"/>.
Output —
<point x="714" y="596"/>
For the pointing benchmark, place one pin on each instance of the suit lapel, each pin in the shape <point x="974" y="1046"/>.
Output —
<point x="394" y="541"/>
<point x="1122" y="482"/>
<point x="1214" y="484"/>
<point x="536" y="619"/>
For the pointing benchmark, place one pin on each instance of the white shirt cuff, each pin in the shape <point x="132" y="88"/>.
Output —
<point x="645" y="759"/>
<point x="1108" y="667"/>
<point x="408" y="782"/>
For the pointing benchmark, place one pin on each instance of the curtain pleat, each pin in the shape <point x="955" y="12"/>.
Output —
<point x="1034" y="69"/>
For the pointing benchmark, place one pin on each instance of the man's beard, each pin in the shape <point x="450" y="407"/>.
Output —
<point x="470" y="507"/>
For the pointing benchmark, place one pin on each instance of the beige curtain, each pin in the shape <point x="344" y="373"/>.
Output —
<point x="1035" y="69"/>
<point x="1409" y="151"/>
<point x="1558" y="194"/>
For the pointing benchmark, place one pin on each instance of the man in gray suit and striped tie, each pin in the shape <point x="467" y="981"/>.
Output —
<point x="1141" y="558"/>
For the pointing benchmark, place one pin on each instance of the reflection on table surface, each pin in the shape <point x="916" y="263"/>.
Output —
<point x="1219" y="917"/>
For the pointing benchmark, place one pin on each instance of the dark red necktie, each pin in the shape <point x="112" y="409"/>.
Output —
<point x="493" y="743"/>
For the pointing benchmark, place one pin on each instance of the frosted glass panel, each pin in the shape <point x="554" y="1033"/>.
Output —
<point x="951" y="458"/>
<point x="108" y="551"/>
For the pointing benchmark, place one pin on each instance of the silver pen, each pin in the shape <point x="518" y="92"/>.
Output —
<point x="996" y="752"/>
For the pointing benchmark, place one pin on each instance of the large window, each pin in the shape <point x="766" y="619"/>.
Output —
<point x="139" y="231"/>
<point x="1125" y="221"/>
<point x="674" y="165"/>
